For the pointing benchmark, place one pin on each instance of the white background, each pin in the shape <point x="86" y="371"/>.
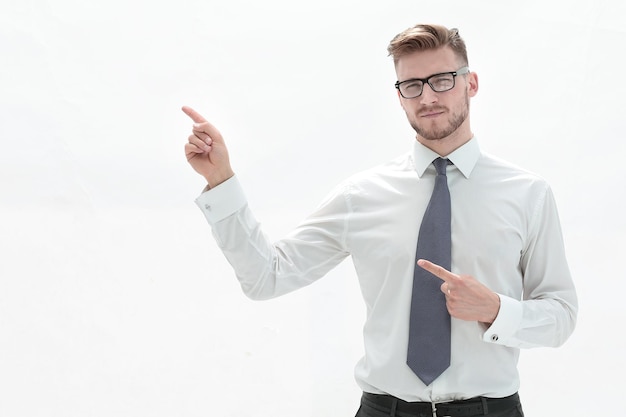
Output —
<point x="114" y="298"/>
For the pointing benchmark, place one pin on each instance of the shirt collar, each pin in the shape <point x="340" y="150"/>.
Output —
<point x="464" y="158"/>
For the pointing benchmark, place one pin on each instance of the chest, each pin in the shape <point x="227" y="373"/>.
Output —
<point x="489" y="224"/>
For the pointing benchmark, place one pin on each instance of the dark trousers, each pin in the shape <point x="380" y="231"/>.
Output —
<point x="387" y="406"/>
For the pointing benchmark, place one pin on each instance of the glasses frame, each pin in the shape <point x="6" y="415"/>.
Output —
<point x="460" y="71"/>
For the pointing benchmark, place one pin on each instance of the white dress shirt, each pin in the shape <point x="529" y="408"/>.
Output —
<point x="505" y="232"/>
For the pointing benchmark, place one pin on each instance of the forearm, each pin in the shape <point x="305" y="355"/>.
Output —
<point x="267" y="269"/>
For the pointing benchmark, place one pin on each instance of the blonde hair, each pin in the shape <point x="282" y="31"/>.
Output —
<point x="424" y="37"/>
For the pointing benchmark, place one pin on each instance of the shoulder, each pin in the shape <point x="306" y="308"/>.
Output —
<point x="500" y="169"/>
<point x="504" y="180"/>
<point x="376" y="181"/>
<point x="382" y="175"/>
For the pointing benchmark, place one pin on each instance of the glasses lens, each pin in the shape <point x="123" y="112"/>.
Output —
<point x="411" y="88"/>
<point x="442" y="82"/>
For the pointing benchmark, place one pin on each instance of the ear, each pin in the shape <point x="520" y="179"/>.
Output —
<point x="472" y="84"/>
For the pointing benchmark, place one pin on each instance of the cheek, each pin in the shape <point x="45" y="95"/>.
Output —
<point x="402" y="102"/>
<point x="407" y="106"/>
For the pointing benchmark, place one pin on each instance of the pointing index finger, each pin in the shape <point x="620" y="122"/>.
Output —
<point x="194" y="115"/>
<point x="436" y="270"/>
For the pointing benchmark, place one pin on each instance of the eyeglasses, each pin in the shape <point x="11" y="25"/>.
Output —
<point x="441" y="82"/>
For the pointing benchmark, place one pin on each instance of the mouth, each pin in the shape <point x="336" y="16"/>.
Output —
<point x="431" y="113"/>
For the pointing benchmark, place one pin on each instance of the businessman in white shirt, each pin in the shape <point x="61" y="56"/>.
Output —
<point x="508" y="286"/>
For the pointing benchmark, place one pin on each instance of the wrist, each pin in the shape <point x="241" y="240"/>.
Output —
<point x="218" y="178"/>
<point x="495" y="309"/>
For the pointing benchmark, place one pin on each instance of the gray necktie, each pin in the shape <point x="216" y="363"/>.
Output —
<point x="429" y="331"/>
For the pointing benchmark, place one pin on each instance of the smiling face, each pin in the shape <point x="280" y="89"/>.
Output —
<point x="441" y="120"/>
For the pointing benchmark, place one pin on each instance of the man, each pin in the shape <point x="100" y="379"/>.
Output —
<point x="503" y="283"/>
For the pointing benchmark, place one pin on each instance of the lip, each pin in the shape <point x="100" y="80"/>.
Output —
<point x="429" y="115"/>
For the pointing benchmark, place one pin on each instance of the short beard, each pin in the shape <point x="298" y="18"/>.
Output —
<point x="455" y="120"/>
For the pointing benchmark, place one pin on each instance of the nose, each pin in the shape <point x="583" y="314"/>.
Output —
<point x="428" y="95"/>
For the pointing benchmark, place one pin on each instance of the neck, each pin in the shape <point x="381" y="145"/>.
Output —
<point x="445" y="146"/>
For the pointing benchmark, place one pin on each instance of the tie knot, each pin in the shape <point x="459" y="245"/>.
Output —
<point x="440" y="165"/>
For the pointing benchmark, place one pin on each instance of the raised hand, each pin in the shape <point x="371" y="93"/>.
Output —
<point x="466" y="297"/>
<point x="206" y="151"/>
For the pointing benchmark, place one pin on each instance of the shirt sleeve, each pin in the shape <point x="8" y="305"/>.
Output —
<point x="546" y="315"/>
<point x="267" y="269"/>
<point x="221" y="201"/>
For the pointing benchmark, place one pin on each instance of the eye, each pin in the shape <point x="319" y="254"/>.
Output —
<point x="442" y="82"/>
<point x="412" y="87"/>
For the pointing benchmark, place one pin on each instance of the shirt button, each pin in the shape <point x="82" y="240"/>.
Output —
<point x="207" y="206"/>
<point x="494" y="337"/>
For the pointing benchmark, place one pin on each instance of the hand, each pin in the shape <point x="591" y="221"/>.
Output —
<point x="206" y="151"/>
<point x="466" y="297"/>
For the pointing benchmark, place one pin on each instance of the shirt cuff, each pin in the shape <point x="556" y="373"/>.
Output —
<point x="221" y="201"/>
<point x="506" y="323"/>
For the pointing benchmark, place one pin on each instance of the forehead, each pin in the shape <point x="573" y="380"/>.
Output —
<point x="421" y="64"/>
